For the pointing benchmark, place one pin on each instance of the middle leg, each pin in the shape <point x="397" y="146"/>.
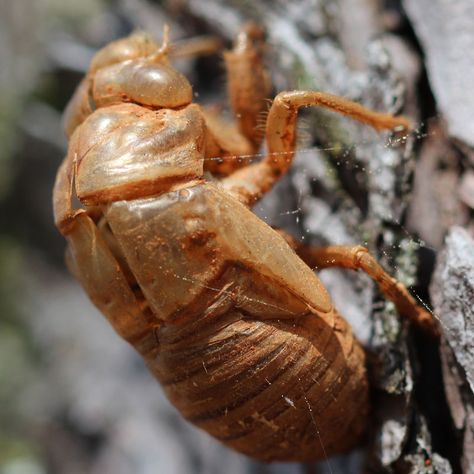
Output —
<point x="251" y="183"/>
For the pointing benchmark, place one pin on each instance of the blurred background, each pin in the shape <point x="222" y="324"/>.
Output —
<point x="74" y="398"/>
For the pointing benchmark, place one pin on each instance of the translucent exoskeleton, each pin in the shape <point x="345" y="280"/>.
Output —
<point x="224" y="309"/>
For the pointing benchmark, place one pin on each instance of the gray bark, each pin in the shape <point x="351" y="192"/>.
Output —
<point x="452" y="292"/>
<point x="445" y="32"/>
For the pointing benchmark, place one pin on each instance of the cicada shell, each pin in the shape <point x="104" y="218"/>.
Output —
<point x="238" y="330"/>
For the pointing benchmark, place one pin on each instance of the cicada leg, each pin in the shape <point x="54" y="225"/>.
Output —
<point x="356" y="257"/>
<point x="232" y="145"/>
<point x="226" y="148"/>
<point x="248" y="82"/>
<point x="251" y="183"/>
<point x="193" y="47"/>
<point x="91" y="260"/>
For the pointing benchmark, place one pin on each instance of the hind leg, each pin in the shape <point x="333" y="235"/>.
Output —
<point x="358" y="258"/>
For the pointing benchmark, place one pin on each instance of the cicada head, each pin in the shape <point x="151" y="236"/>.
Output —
<point x="136" y="70"/>
<point x="131" y="70"/>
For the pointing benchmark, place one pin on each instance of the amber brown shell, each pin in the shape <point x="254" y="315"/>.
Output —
<point x="273" y="390"/>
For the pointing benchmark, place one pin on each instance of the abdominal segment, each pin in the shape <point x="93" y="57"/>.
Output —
<point x="274" y="389"/>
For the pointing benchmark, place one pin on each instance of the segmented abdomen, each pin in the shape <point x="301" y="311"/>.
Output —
<point x="274" y="390"/>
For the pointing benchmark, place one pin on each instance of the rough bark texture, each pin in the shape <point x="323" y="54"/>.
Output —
<point x="452" y="291"/>
<point x="445" y="32"/>
<point x="76" y="399"/>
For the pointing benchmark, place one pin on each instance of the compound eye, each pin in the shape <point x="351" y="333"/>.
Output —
<point x="161" y="85"/>
<point x="144" y="82"/>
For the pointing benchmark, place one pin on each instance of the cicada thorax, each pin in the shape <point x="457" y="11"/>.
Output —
<point x="138" y="152"/>
<point x="134" y="131"/>
<point x="248" y="347"/>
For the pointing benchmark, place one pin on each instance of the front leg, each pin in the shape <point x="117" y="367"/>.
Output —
<point x="248" y="83"/>
<point x="91" y="260"/>
<point x="226" y="148"/>
<point x="230" y="145"/>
